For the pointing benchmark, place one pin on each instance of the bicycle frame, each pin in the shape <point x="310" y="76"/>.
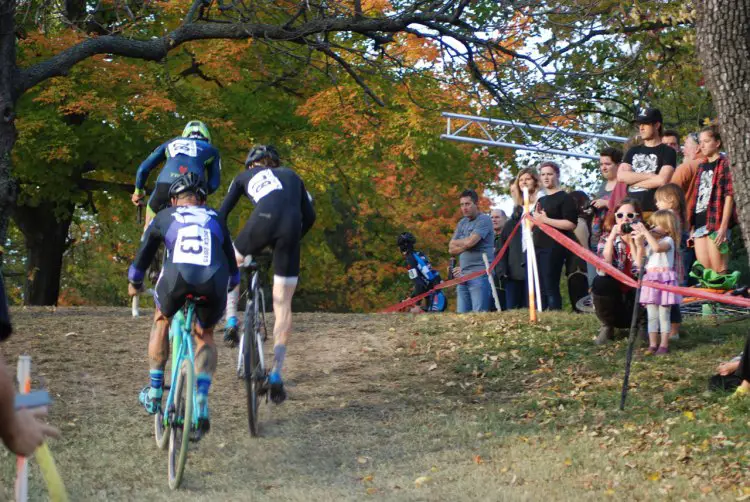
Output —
<point x="251" y="297"/>
<point x="182" y="348"/>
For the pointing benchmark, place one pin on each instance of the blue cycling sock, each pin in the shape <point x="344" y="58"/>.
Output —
<point x="203" y="383"/>
<point x="157" y="378"/>
<point x="231" y="322"/>
<point x="279" y="353"/>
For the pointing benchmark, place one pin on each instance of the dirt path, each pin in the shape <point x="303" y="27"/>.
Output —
<point x="377" y="402"/>
<point x="358" y="421"/>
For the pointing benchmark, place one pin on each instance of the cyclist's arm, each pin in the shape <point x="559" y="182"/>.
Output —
<point x="233" y="195"/>
<point x="148" y="165"/>
<point x="213" y="174"/>
<point x="308" y="212"/>
<point x="228" y="248"/>
<point x="149" y="246"/>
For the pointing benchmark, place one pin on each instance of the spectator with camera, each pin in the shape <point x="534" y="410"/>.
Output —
<point x="613" y="301"/>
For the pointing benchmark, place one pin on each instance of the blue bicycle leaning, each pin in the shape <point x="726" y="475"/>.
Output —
<point x="176" y="423"/>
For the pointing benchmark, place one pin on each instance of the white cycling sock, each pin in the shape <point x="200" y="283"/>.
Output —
<point x="232" y="299"/>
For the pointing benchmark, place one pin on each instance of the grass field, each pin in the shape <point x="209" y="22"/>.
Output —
<point x="402" y="407"/>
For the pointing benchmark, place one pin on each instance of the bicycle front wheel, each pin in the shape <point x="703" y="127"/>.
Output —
<point x="161" y="428"/>
<point x="252" y="364"/>
<point x="179" y="435"/>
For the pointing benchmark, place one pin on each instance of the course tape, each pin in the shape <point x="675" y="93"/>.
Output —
<point x="453" y="282"/>
<point x="587" y="256"/>
<point x="595" y="260"/>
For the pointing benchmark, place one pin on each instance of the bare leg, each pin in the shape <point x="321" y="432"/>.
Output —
<point x="158" y="344"/>
<point x="718" y="261"/>
<point x="701" y="251"/>
<point x="282" y="309"/>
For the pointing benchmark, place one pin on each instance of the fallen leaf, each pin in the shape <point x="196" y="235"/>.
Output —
<point x="362" y="460"/>
<point x="568" y="462"/>
<point x="478" y="459"/>
<point x="654" y="476"/>
<point x="372" y="491"/>
<point x="421" y="481"/>
<point x="689" y="415"/>
<point x="368" y="479"/>
<point x="433" y="366"/>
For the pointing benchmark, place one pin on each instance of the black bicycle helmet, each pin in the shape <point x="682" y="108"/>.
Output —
<point x="188" y="183"/>
<point x="261" y="152"/>
<point x="406" y="241"/>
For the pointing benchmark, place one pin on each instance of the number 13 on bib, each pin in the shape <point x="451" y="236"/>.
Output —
<point x="193" y="246"/>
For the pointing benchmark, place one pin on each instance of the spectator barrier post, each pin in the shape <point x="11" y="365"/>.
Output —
<point x="532" y="272"/>
<point x="492" y="283"/>
<point x="23" y="376"/>
<point x="633" y="335"/>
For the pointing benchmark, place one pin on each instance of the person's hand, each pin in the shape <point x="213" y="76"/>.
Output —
<point x="539" y="216"/>
<point x="28" y="432"/>
<point x="457" y="272"/>
<point x="133" y="290"/>
<point x="616" y="230"/>
<point x="600" y="203"/>
<point x="721" y="236"/>
<point x="725" y="369"/>
<point x="416" y="309"/>
<point x="137" y="199"/>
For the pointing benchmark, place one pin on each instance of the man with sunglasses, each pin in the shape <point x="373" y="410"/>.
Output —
<point x="648" y="166"/>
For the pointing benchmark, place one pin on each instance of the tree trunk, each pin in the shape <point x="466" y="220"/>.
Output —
<point x="8" y="74"/>
<point x="46" y="240"/>
<point x="723" y="43"/>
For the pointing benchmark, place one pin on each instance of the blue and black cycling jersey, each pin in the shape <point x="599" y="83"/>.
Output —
<point x="421" y="273"/>
<point x="182" y="156"/>
<point x="199" y="261"/>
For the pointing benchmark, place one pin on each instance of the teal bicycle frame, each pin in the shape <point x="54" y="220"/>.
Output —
<point x="181" y="336"/>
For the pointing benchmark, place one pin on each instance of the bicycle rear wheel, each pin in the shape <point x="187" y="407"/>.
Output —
<point x="252" y="363"/>
<point x="179" y="435"/>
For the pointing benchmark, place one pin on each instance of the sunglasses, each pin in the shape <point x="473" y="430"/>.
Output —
<point x="623" y="215"/>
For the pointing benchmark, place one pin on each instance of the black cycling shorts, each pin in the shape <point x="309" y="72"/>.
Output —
<point x="283" y="233"/>
<point x="160" y="197"/>
<point x="172" y="290"/>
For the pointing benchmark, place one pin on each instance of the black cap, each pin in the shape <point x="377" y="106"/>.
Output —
<point x="649" y="116"/>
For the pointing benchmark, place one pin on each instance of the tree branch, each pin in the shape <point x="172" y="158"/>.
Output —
<point x="158" y="48"/>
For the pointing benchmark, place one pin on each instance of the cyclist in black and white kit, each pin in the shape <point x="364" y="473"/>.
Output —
<point x="282" y="215"/>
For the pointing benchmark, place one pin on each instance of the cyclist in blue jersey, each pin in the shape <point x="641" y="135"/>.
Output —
<point x="199" y="261"/>
<point x="422" y="274"/>
<point x="190" y="153"/>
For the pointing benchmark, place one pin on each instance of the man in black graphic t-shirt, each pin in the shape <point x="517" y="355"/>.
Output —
<point x="647" y="167"/>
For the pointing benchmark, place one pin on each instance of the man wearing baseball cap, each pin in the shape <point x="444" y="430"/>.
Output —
<point x="648" y="166"/>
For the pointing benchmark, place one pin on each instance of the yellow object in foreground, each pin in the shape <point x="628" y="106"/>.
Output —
<point x="55" y="486"/>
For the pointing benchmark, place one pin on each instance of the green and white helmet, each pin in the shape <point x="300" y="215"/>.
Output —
<point x="196" y="128"/>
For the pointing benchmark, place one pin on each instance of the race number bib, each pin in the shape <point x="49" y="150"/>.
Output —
<point x="262" y="184"/>
<point x="412" y="273"/>
<point x="193" y="246"/>
<point x="183" y="147"/>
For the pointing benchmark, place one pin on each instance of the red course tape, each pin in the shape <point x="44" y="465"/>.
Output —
<point x="587" y="256"/>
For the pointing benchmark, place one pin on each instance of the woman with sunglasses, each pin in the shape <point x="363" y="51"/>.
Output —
<point x="613" y="301"/>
